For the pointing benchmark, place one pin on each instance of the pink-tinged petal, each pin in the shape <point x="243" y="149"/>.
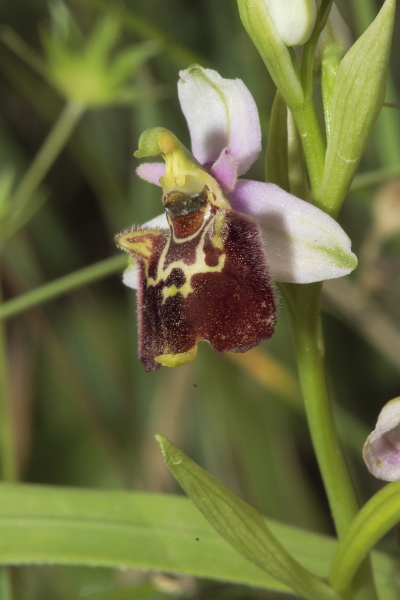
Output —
<point x="221" y="113"/>
<point x="381" y="450"/>
<point x="303" y="244"/>
<point x="151" y="172"/>
<point x="225" y="171"/>
<point x="131" y="274"/>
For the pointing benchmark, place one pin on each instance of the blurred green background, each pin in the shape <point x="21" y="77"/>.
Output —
<point x="84" y="409"/>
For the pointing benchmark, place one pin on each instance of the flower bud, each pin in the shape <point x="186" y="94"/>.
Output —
<point x="264" y="22"/>
<point x="293" y="19"/>
<point x="381" y="450"/>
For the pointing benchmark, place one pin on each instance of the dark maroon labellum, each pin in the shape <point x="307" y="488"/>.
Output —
<point x="204" y="279"/>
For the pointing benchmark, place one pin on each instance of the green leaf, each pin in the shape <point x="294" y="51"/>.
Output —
<point x="357" y="98"/>
<point x="375" y="519"/>
<point x="240" y="524"/>
<point x="54" y="525"/>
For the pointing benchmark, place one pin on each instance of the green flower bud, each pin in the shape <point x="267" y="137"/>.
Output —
<point x="266" y="29"/>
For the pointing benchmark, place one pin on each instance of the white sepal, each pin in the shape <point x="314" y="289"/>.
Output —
<point x="303" y="244"/>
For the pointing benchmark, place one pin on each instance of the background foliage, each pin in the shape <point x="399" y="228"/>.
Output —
<point x="85" y="412"/>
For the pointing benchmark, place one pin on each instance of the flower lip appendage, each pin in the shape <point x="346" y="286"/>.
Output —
<point x="202" y="269"/>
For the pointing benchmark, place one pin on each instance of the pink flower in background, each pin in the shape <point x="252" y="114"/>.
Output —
<point x="381" y="450"/>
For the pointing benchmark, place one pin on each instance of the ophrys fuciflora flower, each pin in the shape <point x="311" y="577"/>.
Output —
<point x="204" y="270"/>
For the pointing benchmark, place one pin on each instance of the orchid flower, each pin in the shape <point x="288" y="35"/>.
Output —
<point x="205" y="268"/>
<point x="381" y="450"/>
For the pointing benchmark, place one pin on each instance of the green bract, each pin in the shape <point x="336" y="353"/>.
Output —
<point x="334" y="42"/>
<point x="357" y="98"/>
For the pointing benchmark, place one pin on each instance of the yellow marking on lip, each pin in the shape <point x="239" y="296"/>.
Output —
<point x="198" y="266"/>
<point x="186" y="289"/>
<point x="139" y="242"/>
<point x="176" y="360"/>
<point x="172" y="290"/>
<point x="216" y="239"/>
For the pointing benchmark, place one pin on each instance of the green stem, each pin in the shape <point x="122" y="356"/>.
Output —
<point x="305" y="115"/>
<point x="61" y="286"/>
<point x="308" y="341"/>
<point x="313" y="143"/>
<point x="23" y="50"/>
<point x="307" y="59"/>
<point x="47" y="154"/>
<point x="331" y="461"/>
